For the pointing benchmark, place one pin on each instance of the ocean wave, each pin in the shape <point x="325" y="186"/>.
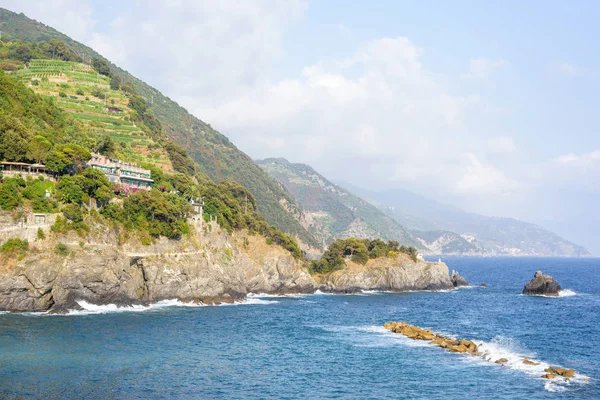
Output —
<point x="561" y="293"/>
<point x="93" y="309"/>
<point x="567" y="293"/>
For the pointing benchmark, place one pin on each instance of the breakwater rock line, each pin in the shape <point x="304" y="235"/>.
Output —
<point x="469" y="347"/>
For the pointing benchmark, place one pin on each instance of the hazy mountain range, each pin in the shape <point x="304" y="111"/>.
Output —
<point x="344" y="210"/>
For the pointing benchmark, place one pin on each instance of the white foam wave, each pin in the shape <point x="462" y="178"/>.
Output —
<point x="567" y="293"/>
<point x="498" y="348"/>
<point x="4" y="312"/>
<point x="91" y="309"/>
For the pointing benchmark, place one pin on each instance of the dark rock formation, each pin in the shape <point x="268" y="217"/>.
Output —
<point x="483" y="285"/>
<point x="542" y="285"/>
<point x="457" y="280"/>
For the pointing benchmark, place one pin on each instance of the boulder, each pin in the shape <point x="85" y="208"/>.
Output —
<point x="501" y="360"/>
<point x="527" y="361"/>
<point x="457" y="280"/>
<point x="564" y="372"/>
<point x="549" y="376"/>
<point x="459" y="349"/>
<point x="542" y="285"/>
<point x="483" y="285"/>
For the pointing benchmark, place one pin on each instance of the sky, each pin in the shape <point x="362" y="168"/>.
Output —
<point x="489" y="106"/>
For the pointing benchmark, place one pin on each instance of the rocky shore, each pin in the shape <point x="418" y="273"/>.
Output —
<point x="467" y="347"/>
<point x="387" y="274"/>
<point x="209" y="267"/>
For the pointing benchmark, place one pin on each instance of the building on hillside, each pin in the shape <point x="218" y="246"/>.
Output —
<point x="11" y="169"/>
<point x="127" y="175"/>
<point x="197" y="206"/>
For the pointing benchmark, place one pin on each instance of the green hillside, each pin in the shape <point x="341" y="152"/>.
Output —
<point x="34" y="129"/>
<point x="215" y="155"/>
<point x="331" y="211"/>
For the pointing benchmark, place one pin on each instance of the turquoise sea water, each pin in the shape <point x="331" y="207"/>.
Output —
<point x="320" y="346"/>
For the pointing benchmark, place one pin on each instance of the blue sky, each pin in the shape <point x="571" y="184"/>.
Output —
<point x="490" y="106"/>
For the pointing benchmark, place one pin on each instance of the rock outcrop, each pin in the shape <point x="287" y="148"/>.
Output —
<point x="468" y="347"/>
<point x="457" y="280"/>
<point x="393" y="274"/>
<point x="542" y="285"/>
<point x="210" y="268"/>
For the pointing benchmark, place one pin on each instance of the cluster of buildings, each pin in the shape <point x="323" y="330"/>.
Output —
<point x="127" y="175"/>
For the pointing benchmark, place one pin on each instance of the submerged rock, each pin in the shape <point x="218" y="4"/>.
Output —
<point x="483" y="285"/>
<point x="542" y="285"/>
<point x="458" y="280"/>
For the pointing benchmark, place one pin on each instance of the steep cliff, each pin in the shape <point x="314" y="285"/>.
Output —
<point x="209" y="267"/>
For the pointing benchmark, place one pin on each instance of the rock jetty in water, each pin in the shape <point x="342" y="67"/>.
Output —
<point x="458" y="280"/>
<point x="416" y="333"/>
<point x="467" y="347"/>
<point x="542" y="285"/>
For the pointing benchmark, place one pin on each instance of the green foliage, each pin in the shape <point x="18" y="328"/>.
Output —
<point x="69" y="190"/>
<point x="10" y="197"/>
<point x="62" y="94"/>
<point x="359" y="251"/>
<point x="180" y="160"/>
<point x="40" y="234"/>
<point x="13" y="145"/>
<point x="15" y="247"/>
<point x="101" y="65"/>
<point x="80" y="92"/>
<point x="25" y="116"/>
<point x="217" y="157"/>
<point x="158" y="213"/>
<point x="115" y="82"/>
<point x="61" y="249"/>
<point x="38" y="149"/>
<point x="73" y="213"/>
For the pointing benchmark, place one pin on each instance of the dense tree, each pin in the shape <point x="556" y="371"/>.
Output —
<point x="100" y="65"/>
<point x="115" y="82"/>
<point x="38" y="149"/>
<point x="359" y="251"/>
<point x="13" y="146"/>
<point x="22" y="53"/>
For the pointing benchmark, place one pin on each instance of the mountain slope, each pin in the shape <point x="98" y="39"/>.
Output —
<point x="495" y="236"/>
<point x="333" y="212"/>
<point x="214" y="153"/>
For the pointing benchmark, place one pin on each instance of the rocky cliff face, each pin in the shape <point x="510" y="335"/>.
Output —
<point x="208" y="267"/>
<point x="398" y="274"/>
<point x="212" y="267"/>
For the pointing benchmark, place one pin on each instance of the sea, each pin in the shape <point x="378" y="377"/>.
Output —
<point x="321" y="346"/>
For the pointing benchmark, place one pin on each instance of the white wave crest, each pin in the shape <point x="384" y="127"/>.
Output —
<point x="492" y="351"/>
<point x="567" y="293"/>
<point x="91" y="309"/>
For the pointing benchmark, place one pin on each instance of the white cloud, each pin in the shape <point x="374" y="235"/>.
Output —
<point x="481" y="68"/>
<point x="591" y="159"/>
<point x="571" y="70"/>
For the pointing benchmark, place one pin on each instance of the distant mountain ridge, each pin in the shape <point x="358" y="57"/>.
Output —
<point x="432" y="222"/>
<point x="331" y="211"/>
<point x="216" y="156"/>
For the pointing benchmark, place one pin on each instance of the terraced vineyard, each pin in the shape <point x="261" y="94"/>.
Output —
<point x="86" y="95"/>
